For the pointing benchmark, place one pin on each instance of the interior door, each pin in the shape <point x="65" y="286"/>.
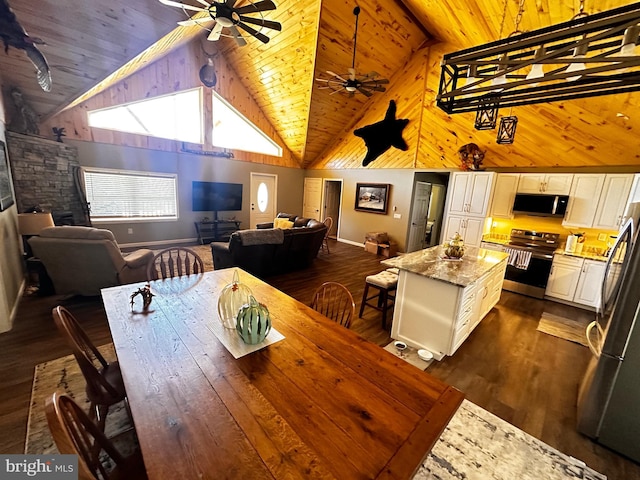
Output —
<point x="419" y="212"/>
<point x="332" y="195"/>
<point x="312" y="198"/>
<point x="263" y="198"/>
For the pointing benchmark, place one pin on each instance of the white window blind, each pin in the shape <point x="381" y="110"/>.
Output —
<point x="119" y="195"/>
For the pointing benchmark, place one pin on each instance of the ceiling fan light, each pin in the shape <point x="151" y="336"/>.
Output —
<point x="350" y="88"/>
<point x="629" y="41"/>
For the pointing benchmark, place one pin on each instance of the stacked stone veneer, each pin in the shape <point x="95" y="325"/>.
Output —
<point x="42" y="172"/>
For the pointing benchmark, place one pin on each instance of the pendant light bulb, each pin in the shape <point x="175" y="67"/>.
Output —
<point x="629" y="41"/>
<point x="536" y="69"/>
<point x="500" y="79"/>
<point x="579" y="52"/>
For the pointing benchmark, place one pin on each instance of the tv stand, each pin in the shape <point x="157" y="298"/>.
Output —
<point x="216" y="230"/>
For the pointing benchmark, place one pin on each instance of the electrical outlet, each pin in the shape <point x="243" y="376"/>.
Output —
<point x="397" y="215"/>
<point x="130" y="231"/>
<point x="602" y="237"/>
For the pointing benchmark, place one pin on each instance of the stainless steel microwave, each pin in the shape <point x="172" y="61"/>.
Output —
<point x="540" y="204"/>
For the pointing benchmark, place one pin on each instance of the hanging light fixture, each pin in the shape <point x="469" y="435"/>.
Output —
<point x="603" y="42"/>
<point x="487" y="114"/>
<point x="507" y="130"/>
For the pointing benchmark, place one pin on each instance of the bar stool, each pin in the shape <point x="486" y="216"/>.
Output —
<point x="385" y="284"/>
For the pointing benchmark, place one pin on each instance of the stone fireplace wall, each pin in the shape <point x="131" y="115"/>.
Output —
<point x="43" y="175"/>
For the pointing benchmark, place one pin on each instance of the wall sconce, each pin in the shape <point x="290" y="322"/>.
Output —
<point x="31" y="224"/>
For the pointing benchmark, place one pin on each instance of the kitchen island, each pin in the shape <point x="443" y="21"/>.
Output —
<point x="440" y="301"/>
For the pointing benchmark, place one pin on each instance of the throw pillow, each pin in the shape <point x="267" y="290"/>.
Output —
<point x="282" y="223"/>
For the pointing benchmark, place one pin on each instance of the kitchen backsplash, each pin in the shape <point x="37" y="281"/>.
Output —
<point x="502" y="227"/>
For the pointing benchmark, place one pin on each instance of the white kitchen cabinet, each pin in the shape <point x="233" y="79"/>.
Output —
<point x="504" y="194"/>
<point x="613" y="201"/>
<point x="563" y="280"/>
<point x="583" y="199"/>
<point x="588" y="290"/>
<point x="442" y="321"/>
<point x="552" y="184"/>
<point x="470" y="193"/>
<point x="469" y="228"/>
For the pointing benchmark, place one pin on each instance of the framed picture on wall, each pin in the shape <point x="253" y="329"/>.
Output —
<point x="372" y="197"/>
<point x="6" y="193"/>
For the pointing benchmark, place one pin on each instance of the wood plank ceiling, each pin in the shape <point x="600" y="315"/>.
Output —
<point x="87" y="40"/>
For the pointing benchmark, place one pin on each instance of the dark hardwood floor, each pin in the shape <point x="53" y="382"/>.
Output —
<point x="528" y="378"/>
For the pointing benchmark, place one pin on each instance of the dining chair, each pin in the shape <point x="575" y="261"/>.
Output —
<point x="325" y="244"/>
<point x="174" y="262"/>
<point x="75" y="434"/>
<point x="105" y="386"/>
<point x="334" y="300"/>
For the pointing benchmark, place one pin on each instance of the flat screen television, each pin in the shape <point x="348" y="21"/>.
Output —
<point x="216" y="197"/>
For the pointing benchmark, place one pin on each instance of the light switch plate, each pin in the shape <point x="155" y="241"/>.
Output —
<point x="397" y="215"/>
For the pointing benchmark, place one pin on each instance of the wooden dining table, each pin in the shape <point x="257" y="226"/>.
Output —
<point x="321" y="403"/>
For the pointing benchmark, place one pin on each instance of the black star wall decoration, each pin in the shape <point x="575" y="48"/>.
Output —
<point x="381" y="136"/>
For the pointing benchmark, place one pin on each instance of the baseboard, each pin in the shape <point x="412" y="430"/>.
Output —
<point x="350" y="242"/>
<point x="156" y="243"/>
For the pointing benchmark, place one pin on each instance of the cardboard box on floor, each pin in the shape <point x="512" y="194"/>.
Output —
<point x="371" y="247"/>
<point x="388" y="249"/>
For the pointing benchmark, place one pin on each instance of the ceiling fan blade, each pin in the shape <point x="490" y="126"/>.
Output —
<point x="202" y="2"/>
<point x="215" y="33"/>
<point x="337" y="76"/>
<point x="352" y="73"/>
<point x="236" y="34"/>
<point x="376" y="88"/>
<point x="364" y="92"/>
<point x="230" y="3"/>
<point x="263" y="6"/>
<point x="336" y="91"/>
<point x="382" y="81"/>
<point x="195" y="21"/>
<point x="262" y="22"/>
<point x="260" y="36"/>
<point x="171" y="3"/>
<point x="326" y="80"/>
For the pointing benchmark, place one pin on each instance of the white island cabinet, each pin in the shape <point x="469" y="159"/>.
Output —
<point x="439" y="302"/>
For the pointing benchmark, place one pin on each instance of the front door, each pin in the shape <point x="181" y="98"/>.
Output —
<point x="263" y="198"/>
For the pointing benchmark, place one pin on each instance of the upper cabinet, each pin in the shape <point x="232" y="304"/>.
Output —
<point x="583" y="199"/>
<point x="613" y="201"/>
<point x="598" y="200"/>
<point x="552" y="184"/>
<point x="504" y="194"/>
<point x="470" y="193"/>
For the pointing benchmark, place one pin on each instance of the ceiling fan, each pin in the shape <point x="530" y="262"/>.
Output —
<point x="222" y="14"/>
<point x="352" y="82"/>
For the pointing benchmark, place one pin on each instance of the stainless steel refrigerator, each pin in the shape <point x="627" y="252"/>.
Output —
<point x="609" y="396"/>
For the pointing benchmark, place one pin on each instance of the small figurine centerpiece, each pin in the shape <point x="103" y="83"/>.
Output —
<point x="232" y="297"/>
<point x="454" y="249"/>
<point x="254" y="322"/>
<point x="147" y="297"/>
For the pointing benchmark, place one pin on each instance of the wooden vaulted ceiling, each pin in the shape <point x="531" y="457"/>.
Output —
<point x="402" y="40"/>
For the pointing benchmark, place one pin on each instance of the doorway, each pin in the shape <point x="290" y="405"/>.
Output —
<point x="427" y="212"/>
<point x="264" y="189"/>
<point x="332" y="204"/>
<point x="312" y="201"/>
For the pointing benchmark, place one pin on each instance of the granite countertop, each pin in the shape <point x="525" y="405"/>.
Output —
<point x="431" y="263"/>
<point x="583" y="254"/>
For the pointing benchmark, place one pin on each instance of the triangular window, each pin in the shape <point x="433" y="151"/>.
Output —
<point x="233" y="130"/>
<point x="177" y="116"/>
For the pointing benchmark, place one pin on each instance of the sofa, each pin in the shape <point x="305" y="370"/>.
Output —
<point x="82" y="260"/>
<point x="268" y="251"/>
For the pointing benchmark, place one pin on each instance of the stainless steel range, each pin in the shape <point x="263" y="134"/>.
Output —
<point x="529" y="263"/>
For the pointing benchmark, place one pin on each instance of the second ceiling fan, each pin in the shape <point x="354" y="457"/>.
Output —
<point x="352" y="82"/>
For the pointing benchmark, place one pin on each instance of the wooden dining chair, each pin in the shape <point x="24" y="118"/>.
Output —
<point x="75" y="434"/>
<point x="105" y="386"/>
<point x="325" y="244"/>
<point x="334" y="300"/>
<point x="174" y="262"/>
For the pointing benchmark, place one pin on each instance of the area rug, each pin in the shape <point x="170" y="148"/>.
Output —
<point x="410" y="355"/>
<point x="476" y="445"/>
<point x="64" y="376"/>
<point x="563" y="327"/>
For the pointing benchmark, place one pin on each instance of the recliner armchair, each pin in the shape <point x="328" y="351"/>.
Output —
<point x="82" y="260"/>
